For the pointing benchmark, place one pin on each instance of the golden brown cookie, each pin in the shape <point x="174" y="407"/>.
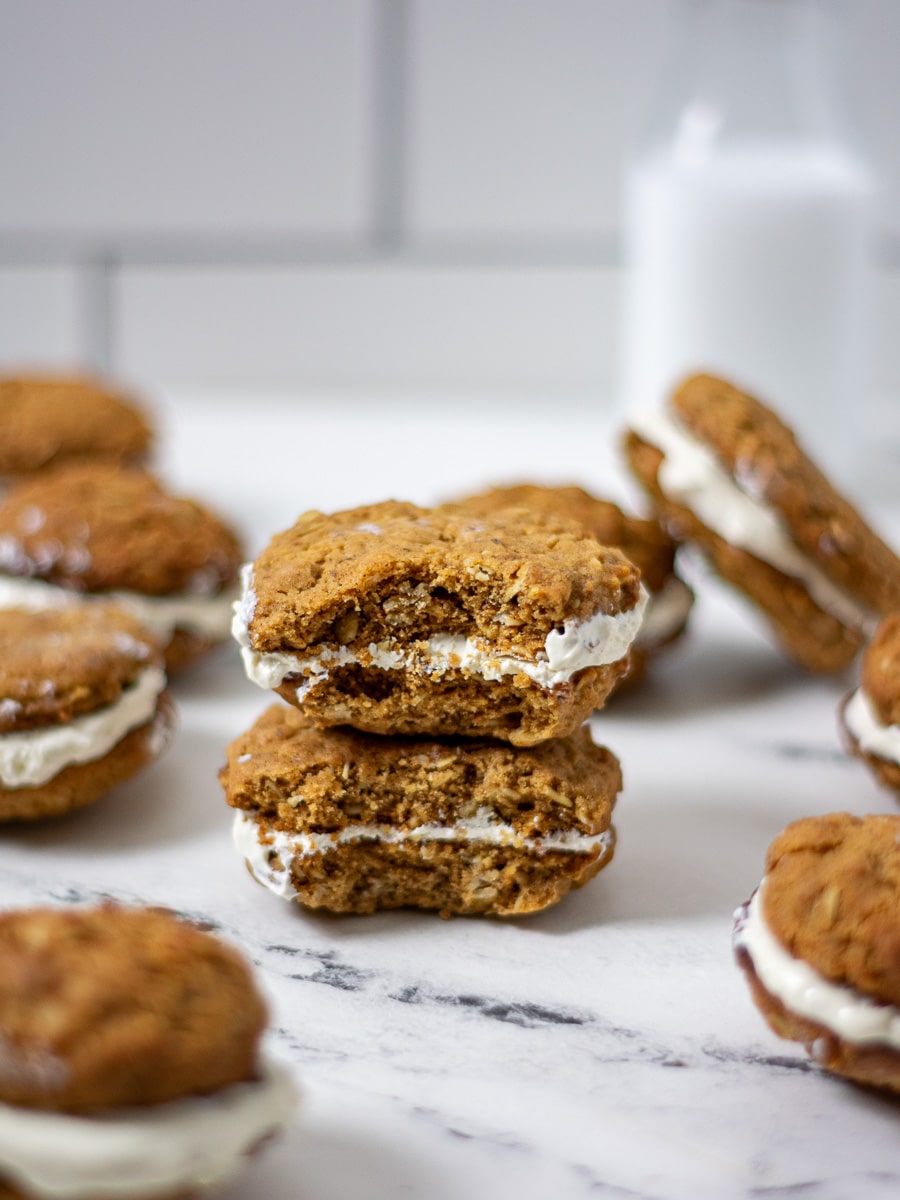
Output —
<point x="819" y="942"/>
<point x="870" y="716"/>
<point x="47" y="420"/>
<point x="354" y="822"/>
<point x="398" y="619"/>
<point x="130" y="1055"/>
<point x="728" y="476"/>
<point x="83" y="706"/>
<point x="643" y="542"/>
<point x="90" y="531"/>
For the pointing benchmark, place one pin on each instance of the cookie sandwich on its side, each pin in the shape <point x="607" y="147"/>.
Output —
<point x="91" y="532"/>
<point x="403" y="620"/>
<point x="870" y="717"/>
<point x="47" y="420"/>
<point x="819" y="943"/>
<point x="83" y="707"/>
<point x="643" y="542"/>
<point x="354" y="822"/>
<point x="131" y="1065"/>
<point x="728" y="476"/>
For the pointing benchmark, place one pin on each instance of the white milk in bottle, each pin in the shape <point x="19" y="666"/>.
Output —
<point x="747" y="223"/>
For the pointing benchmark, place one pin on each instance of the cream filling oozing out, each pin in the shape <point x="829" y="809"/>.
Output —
<point x="862" y="720"/>
<point x="482" y="828"/>
<point x="205" y="616"/>
<point x="690" y="474"/>
<point x="666" y="612"/>
<point x="152" y="1151"/>
<point x="30" y="758"/>
<point x="806" y="993"/>
<point x="599" y="640"/>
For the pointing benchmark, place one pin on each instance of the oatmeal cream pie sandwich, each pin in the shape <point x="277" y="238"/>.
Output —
<point x="83" y="707"/>
<point x="130" y="1062"/>
<point x="353" y="822"/>
<point x="644" y="542"/>
<point x="729" y="477"/>
<point x="47" y="420"/>
<point x="91" y="532"/>
<point x="819" y="943"/>
<point x="398" y="619"/>
<point x="870" y="716"/>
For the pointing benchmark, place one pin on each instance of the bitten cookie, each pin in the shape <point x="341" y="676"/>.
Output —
<point x="88" y="531"/>
<point x="643" y="542"/>
<point x="47" y="420"/>
<point x="819" y="943"/>
<point x="870" y="717"/>
<point x="353" y="822"/>
<point x="83" y="707"/>
<point x="728" y="476"/>
<point x="398" y="619"/>
<point x="130" y="1061"/>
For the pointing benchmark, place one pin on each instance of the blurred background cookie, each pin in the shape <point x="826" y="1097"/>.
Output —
<point x="399" y="619"/>
<point x="643" y="542"/>
<point x="728" y="476"/>
<point x="88" y="531"/>
<point x="354" y="823"/>
<point x="46" y="420"/>
<point x="131" y="1056"/>
<point x="870" y="717"/>
<point x="819" y="943"/>
<point x="83" y="706"/>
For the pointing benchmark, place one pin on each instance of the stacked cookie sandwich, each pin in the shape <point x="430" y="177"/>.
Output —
<point x="439" y="666"/>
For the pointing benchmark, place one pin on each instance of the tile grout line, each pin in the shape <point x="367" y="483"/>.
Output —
<point x="389" y="161"/>
<point x="97" y="276"/>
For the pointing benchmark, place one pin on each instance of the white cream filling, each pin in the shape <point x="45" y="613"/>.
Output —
<point x="805" y="992"/>
<point x="666" y="612"/>
<point x="153" y="1151"/>
<point x="30" y="758"/>
<point x="599" y="640"/>
<point x="205" y="616"/>
<point x="483" y="828"/>
<point x="690" y="474"/>
<point x="875" y="738"/>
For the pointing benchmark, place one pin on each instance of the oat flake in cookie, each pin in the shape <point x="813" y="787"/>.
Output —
<point x="643" y="542"/>
<point x="398" y="619"/>
<point x="87" y="532"/>
<point x="47" y="420"/>
<point x="819" y="943"/>
<point x="353" y="822"/>
<point x="83" y="707"/>
<point x="728" y="476"/>
<point x="130" y="1064"/>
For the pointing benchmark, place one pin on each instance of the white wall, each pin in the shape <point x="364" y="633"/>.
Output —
<point x="346" y="192"/>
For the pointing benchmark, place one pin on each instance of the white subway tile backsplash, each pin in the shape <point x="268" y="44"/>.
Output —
<point x="162" y="116"/>
<point x="368" y="327"/>
<point x="40" y="318"/>
<point x="520" y="112"/>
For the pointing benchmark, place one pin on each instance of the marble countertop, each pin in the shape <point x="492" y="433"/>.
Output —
<point x="607" y="1047"/>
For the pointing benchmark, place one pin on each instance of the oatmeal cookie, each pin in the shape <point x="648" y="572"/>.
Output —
<point x="399" y="619"/>
<point x="130" y="1058"/>
<point x="83" y="707"/>
<point x="87" y="531"/>
<point x="819" y="942"/>
<point x="354" y="822"/>
<point x="728" y="476"/>
<point x="46" y="420"/>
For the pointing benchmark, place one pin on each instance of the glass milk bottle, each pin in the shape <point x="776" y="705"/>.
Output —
<point x="746" y="220"/>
